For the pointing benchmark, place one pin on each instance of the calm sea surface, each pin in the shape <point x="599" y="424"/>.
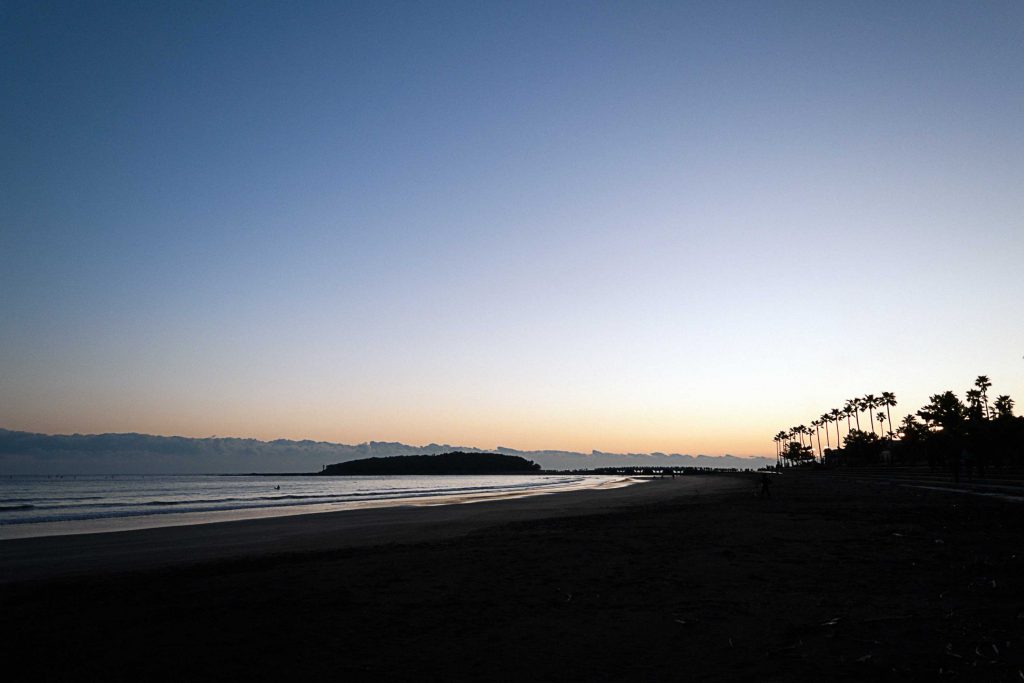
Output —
<point x="47" y="505"/>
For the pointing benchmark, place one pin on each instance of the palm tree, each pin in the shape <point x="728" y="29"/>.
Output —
<point x="789" y="442"/>
<point x="909" y="425"/>
<point x="974" y="402"/>
<point x="837" y="416"/>
<point x="1004" y="406"/>
<point x="817" y="433"/>
<point x="881" y="421"/>
<point x="824" y="420"/>
<point x="889" y="401"/>
<point x="869" y="403"/>
<point x="852" y="409"/>
<point x="804" y="431"/>
<point x="983" y="383"/>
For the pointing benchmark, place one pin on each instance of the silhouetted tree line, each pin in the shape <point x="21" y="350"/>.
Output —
<point x="948" y="431"/>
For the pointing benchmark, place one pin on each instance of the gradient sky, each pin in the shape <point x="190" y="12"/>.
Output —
<point x="615" y="226"/>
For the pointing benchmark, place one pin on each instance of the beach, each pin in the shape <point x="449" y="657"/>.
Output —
<point x="671" y="579"/>
<point x="148" y="548"/>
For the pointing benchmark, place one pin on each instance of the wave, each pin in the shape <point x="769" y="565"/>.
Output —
<point x="33" y="499"/>
<point x="319" y="497"/>
<point x="76" y="509"/>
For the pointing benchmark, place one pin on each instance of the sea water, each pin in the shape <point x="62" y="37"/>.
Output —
<point x="53" y="505"/>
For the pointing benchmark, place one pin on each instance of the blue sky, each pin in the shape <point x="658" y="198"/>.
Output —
<point x="675" y="227"/>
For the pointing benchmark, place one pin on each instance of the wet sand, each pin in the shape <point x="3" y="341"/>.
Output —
<point x="832" y="579"/>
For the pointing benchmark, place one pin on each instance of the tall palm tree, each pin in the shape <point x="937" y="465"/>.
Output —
<point x="889" y="401"/>
<point x="881" y="422"/>
<point x="869" y="403"/>
<point x="851" y="409"/>
<point x="837" y="416"/>
<point x="817" y="433"/>
<point x="824" y="420"/>
<point x="983" y="383"/>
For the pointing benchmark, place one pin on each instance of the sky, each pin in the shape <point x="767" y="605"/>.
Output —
<point x="630" y="227"/>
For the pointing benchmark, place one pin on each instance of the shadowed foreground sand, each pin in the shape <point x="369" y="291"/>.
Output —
<point x="832" y="579"/>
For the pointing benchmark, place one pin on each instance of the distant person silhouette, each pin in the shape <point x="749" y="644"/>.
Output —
<point x="766" y="486"/>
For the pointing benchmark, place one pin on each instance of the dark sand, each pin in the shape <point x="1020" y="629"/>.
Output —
<point x="832" y="579"/>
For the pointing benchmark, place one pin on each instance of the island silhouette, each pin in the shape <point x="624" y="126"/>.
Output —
<point x="457" y="462"/>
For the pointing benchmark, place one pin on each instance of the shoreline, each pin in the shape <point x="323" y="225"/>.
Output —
<point x="46" y="557"/>
<point x="155" y="520"/>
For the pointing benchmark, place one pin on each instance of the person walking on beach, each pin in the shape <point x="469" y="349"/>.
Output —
<point x="766" y="486"/>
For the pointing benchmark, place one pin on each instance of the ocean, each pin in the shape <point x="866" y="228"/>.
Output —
<point x="54" y="505"/>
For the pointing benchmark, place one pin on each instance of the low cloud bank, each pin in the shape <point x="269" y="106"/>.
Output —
<point x="29" y="453"/>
